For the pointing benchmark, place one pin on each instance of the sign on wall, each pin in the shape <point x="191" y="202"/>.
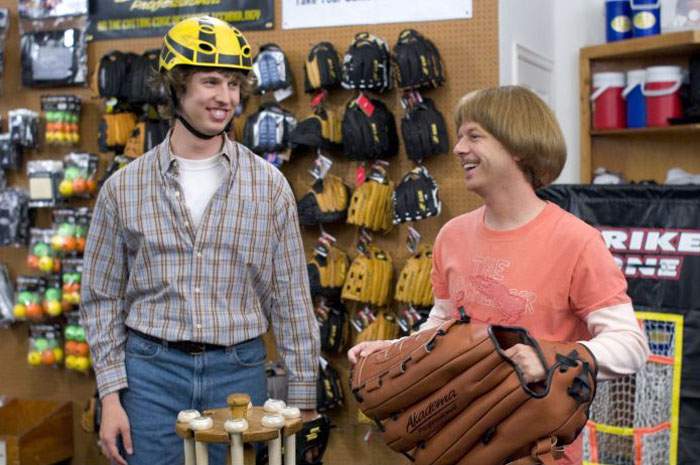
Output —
<point x="118" y="19"/>
<point x="323" y="13"/>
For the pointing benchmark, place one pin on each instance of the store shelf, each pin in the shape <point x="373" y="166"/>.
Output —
<point x="632" y="132"/>
<point x="674" y="43"/>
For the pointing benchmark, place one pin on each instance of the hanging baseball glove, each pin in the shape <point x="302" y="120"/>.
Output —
<point x="328" y="270"/>
<point x="326" y="202"/>
<point x="371" y="205"/>
<point x="369" y="278"/>
<point x="450" y="395"/>
<point x="414" y="286"/>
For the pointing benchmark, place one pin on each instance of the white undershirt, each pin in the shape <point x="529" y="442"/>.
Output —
<point x="199" y="180"/>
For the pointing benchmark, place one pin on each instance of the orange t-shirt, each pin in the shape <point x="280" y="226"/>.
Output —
<point x="545" y="276"/>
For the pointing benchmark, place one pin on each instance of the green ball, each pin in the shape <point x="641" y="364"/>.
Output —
<point x="50" y="116"/>
<point x="25" y="297"/>
<point x="73" y="118"/>
<point x="41" y="249"/>
<point x="80" y="334"/>
<point x="80" y="231"/>
<point x="71" y="173"/>
<point x="53" y="294"/>
<point x="66" y="230"/>
<point x="70" y="332"/>
<point x="41" y="344"/>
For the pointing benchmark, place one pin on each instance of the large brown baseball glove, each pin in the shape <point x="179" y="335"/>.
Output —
<point x="450" y="395"/>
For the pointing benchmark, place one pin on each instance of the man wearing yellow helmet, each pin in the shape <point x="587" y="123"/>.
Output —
<point x="194" y="251"/>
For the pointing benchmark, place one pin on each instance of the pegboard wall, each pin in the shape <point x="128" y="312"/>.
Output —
<point x="469" y="49"/>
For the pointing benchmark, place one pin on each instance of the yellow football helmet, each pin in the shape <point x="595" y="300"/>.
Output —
<point x="205" y="41"/>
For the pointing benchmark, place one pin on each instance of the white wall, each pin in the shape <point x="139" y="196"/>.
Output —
<point x="556" y="30"/>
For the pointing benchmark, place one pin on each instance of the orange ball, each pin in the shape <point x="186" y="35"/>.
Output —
<point x="80" y="244"/>
<point x="69" y="244"/>
<point x="48" y="357"/>
<point x="33" y="262"/>
<point x="35" y="312"/>
<point x="71" y="347"/>
<point x="82" y="349"/>
<point x="91" y="185"/>
<point x="79" y="186"/>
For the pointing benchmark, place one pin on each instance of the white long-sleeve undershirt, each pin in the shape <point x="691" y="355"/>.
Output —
<point x="618" y="343"/>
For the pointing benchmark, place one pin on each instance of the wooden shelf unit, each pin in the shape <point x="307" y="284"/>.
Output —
<point x="640" y="153"/>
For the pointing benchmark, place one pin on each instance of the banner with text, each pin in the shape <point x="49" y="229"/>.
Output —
<point x="119" y="19"/>
<point x="325" y="13"/>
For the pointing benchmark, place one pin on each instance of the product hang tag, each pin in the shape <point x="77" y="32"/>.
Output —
<point x="360" y="175"/>
<point x="319" y="98"/>
<point x="365" y="105"/>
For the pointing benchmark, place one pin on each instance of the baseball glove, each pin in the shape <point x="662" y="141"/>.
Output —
<point x="371" y="207"/>
<point x="450" y="395"/>
<point x="369" y="278"/>
<point x="327" y="269"/>
<point x="414" y="286"/>
<point x="326" y="202"/>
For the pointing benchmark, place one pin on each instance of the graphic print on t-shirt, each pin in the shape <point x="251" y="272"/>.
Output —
<point x="484" y="290"/>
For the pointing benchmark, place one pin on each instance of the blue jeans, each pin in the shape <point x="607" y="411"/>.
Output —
<point x="163" y="381"/>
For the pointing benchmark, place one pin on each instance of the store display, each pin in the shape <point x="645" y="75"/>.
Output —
<point x="28" y="295"/>
<point x="618" y="20"/>
<point x="414" y="286"/>
<point x="418" y="61"/>
<point x="146" y="134"/>
<point x="329" y="393"/>
<point x="416" y="197"/>
<point x="71" y="276"/>
<point x="272" y="72"/>
<point x="607" y="104"/>
<point x="14" y="217"/>
<point x="45" y="346"/>
<point x="43" y="9"/>
<point x="70" y="228"/>
<point x="268" y="130"/>
<point x="4" y="25"/>
<point x="662" y="91"/>
<point x="53" y="58"/>
<point x="115" y="130"/>
<point x="41" y="256"/>
<point x="62" y="114"/>
<point x="371" y="204"/>
<point x="44" y="177"/>
<point x="332" y="320"/>
<point x="79" y="175"/>
<point x="24" y="127"/>
<point x="369" y="277"/>
<point x="326" y="202"/>
<point x="76" y="349"/>
<point x="7" y="297"/>
<point x="322" y="68"/>
<point x="10" y="153"/>
<point x="423" y="128"/>
<point x="51" y="301"/>
<point x="367" y="64"/>
<point x="369" y="130"/>
<point x="327" y="269"/>
<point x="634" y="96"/>
<point x="646" y="17"/>
<point x="321" y="130"/>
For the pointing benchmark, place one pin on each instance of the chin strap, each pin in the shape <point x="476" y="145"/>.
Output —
<point x="197" y="133"/>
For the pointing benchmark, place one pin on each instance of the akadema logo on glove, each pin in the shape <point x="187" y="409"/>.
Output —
<point x="435" y="411"/>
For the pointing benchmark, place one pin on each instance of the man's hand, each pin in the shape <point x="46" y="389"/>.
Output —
<point x="363" y="349"/>
<point x="114" y="423"/>
<point x="527" y="360"/>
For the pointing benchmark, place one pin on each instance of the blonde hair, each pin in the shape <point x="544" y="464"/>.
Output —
<point x="523" y="124"/>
